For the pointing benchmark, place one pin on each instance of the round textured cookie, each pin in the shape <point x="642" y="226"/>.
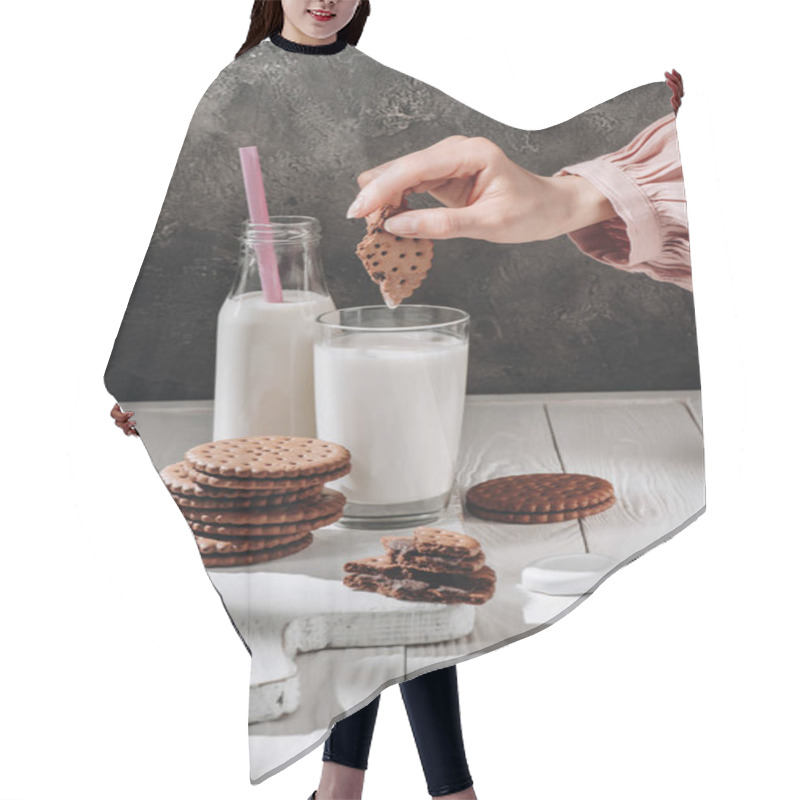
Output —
<point x="375" y="564"/>
<point x="329" y="502"/>
<point x="268" y="458"/>
<point x="255" y="486"/>
<point x="482" y="580"/>
<point x="540" y="498"/>
<point x="229" y="531"/>
<point x="466" y="566"/>
<point x="212" y="502"/>
<point x="257" y="557"/>
<point x="245" y="544"/>
<point x="177" y="479"/>
<point x="441" y="542"/>
<point x="183" y="487"/>
<point x="415" y="591"/>
<point x="403" y="551"/>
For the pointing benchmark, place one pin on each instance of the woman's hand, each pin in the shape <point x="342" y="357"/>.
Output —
<point x="123" y="419"/>
<point x="485" y="195"/>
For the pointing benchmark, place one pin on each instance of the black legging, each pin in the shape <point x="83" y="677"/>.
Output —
<point x="433" y="711"/>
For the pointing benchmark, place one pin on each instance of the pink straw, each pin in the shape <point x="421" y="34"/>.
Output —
<point x="259" y="215"/>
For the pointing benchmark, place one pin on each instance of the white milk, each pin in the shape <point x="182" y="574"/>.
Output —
<point x="396" y="401"/>
<point x="265" y="372"/>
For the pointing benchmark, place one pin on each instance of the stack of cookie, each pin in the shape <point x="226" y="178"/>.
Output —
<point x="258" y="498"/>
<point x="540" y="497"/>
<point x="433" y="565"/>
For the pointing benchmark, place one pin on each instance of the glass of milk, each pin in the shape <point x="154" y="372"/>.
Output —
<point x="390" y="387"/>
<point x="264" y="379"/>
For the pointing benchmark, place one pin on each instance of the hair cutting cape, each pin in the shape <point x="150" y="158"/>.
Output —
<point x="582" y="360"/>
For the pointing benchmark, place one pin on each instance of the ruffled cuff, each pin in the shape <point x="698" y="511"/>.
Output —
<point x="644" y="184"/>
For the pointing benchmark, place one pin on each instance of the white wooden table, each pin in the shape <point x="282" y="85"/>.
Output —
<point x="648" y="444"/>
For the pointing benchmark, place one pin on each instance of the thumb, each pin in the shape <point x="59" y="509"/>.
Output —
<point x="436" y="223"/>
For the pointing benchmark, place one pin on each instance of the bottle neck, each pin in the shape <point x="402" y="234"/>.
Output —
<point x="289" y="244"/>
<point x="283" y="231"/>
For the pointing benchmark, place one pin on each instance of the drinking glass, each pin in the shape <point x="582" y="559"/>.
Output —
<point x="390" y="386"/>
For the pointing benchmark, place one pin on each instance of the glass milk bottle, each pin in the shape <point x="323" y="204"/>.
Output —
<point x="264" y="381"/>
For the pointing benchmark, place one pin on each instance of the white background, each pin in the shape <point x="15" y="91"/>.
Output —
<point x="121" y="675"/>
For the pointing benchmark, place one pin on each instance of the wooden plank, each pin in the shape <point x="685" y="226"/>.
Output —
<point x="508" y="438"/>
<point x="502" y="436"/>
<point x="583" y="397"/>
<point x="652" y="453"/>
<point x="281" y="615"/>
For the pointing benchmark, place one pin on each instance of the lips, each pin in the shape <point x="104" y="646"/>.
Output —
<point x="323" y="16"/>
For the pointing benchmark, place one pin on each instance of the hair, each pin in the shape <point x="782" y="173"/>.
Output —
<point x="266" y="18"/>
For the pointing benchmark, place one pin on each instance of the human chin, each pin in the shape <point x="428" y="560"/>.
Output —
<point x="322" y="20"/>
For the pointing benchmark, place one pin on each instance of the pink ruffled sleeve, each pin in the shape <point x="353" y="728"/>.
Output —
<point x="644" y="183"/>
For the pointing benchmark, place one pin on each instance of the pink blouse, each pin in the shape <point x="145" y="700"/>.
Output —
<point x="644" y="183"/>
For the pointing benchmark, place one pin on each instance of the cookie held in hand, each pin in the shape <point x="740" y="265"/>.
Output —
<point x="397" y="264"/>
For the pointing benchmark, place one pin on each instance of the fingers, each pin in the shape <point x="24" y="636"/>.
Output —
<point x="440" y="223"/>
<point x="369" y="175"/>
<point x="388" y="183"/>
<point x="128" y="427"/>
<point x="124" y="420"/>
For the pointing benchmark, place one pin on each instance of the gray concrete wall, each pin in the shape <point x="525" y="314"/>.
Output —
<point x="545" y="317"/>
